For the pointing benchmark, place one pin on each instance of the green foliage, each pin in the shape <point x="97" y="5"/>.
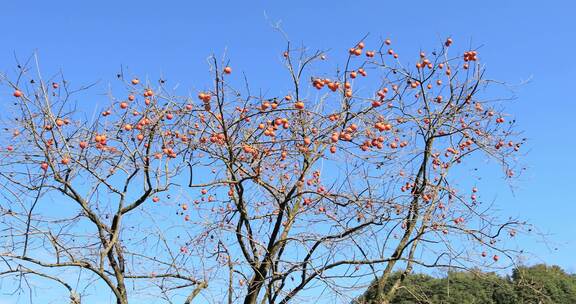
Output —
<point x="544" y="284"/>
<point x="539" y="284"/>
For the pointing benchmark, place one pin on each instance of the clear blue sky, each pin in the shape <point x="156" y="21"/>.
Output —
<point x="536" y="40"/>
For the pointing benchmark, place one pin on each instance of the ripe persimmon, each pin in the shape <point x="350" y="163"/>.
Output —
<point x="204" y="97"/>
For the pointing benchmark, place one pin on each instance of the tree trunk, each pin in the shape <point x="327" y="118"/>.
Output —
<point x="123" y="298"/>
<point x="253" y="290"/>
<point x="74" y="298"/>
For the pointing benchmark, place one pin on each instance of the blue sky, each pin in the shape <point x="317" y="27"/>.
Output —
<point x="521" y="40"/>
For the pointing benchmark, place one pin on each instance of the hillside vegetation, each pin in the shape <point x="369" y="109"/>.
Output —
<point x="540" y="284"/>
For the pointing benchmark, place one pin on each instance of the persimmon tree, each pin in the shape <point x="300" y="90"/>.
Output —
<point x="342" y="178"/>
<point x="77" y="191"/>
